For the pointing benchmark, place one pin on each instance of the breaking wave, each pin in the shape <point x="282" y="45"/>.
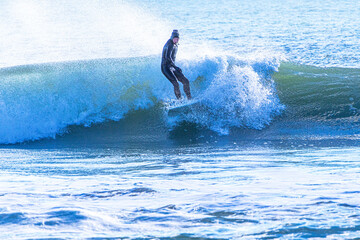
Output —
<point x="43" y="100"/>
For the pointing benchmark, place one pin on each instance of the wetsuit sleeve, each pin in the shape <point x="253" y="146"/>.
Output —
<point x="168" y="56"/>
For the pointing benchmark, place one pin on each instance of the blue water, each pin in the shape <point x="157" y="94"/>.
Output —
<point x="88" y="149"/>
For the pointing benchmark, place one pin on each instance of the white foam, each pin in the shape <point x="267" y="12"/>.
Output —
<point x="239" y="93"/>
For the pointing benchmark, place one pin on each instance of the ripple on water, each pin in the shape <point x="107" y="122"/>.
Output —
<point x="307" y="232"/>
<point x="12" y="218"/>
<point x="62" y="217"/>
<point x="114" y="193"/>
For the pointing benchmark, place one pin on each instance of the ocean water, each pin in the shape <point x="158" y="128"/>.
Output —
<point x="88" y="149"/>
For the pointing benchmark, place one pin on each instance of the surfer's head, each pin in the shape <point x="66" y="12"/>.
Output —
<point x="175" y="36"/>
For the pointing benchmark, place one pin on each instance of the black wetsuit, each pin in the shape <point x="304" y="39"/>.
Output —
<point x="171" y="71"/>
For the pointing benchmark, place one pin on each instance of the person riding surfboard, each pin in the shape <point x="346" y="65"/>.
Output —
<point x="172" y="72"/>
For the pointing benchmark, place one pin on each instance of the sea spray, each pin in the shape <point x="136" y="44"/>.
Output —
<point x="56" y="31"/>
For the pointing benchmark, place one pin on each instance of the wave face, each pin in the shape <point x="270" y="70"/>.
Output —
<point x="41" y="101"/>
<point x="319" y="94"/>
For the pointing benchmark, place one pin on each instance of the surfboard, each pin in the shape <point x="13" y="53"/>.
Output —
<point x="181" y="106"/>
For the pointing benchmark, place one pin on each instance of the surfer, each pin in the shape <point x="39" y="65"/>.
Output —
<point x="170" y="70"/>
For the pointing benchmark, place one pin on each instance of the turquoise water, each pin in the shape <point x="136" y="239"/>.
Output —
<point x="89" y="151"/>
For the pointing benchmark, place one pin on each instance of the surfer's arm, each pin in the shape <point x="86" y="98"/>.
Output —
<point x="168" y="53"/>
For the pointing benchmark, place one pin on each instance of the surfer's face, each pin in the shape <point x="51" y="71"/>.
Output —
<point x="175" y="40"/>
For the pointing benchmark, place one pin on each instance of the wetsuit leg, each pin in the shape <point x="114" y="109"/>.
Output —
<point x="186" y="84"/>
<point x="171" y="77"/>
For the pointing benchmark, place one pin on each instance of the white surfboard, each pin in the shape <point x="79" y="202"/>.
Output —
<point x="181" y="106"/>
